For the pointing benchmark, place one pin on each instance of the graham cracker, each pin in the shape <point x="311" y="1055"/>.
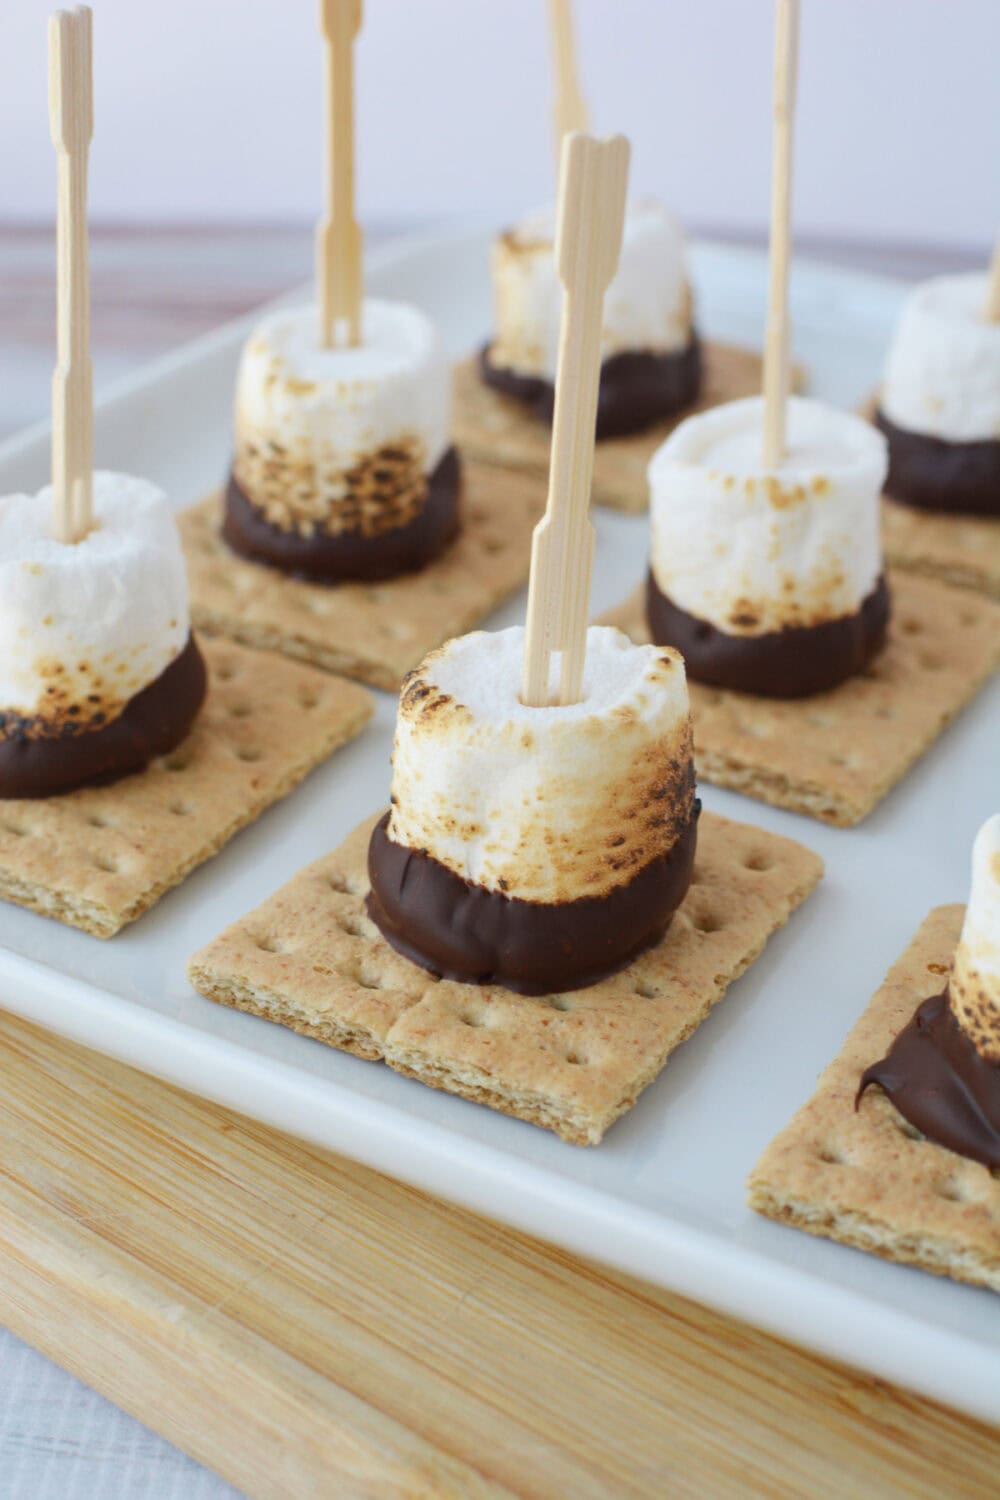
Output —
<point x="835" y="755"/>
<point x="497" y="429"/>
<point x="869" y="1178"/>
<point x="960" y="550"/>
<point x="100" y="857"/>
<point x="373" y="631"/>
<point x="312" y="959"/>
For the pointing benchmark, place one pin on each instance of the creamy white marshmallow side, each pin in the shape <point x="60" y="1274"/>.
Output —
<point x="86" y="626"/>
<point x="646" y="307"/>
<point x="942" y="372"/>
<point x="342" y="439"/>
<point x="752" y="550"/>
<point x="545" y="804"/>
<point x="974" y="987"/>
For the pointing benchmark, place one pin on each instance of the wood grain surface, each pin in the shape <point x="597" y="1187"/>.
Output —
<point x="308" y="1328"/>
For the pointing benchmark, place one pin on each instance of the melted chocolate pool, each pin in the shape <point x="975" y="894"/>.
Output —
<point x="637" y="388"/>
<point x="792" y="663"/>
<point x="937" y="1080"/>
<point x="462" y="931"/>
<point x="326" y="557"/>
<point x="152" y="723"/>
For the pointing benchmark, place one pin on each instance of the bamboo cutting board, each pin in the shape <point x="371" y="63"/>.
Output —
<point x="310" y="1329"/>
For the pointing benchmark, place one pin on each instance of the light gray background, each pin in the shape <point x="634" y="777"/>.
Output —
<point x="210" y="109"/>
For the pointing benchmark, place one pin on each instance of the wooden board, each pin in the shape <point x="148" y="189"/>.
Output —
<point x="308" y="1328"/>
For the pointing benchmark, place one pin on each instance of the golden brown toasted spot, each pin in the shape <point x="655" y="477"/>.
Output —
<point x="380" y="491"/>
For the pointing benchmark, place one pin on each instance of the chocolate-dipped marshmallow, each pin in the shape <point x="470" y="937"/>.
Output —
<point x="537" y="848"/>
<point x="943" y="1070"/>
<point x="99" y="671"/>
<point x="939" y="405"/>
<point x="768" y="581"/>
<point x="343" y="465"/>
<point x="651" y="360"/>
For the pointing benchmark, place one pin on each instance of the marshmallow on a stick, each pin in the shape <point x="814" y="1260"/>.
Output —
<point x="974" y="987"/>
<point x="768" y="580"/>
<point x="539" y="847"/>
<point x="649" y="348"/>
<point x="940" y="399"/>
<point x="99" y="672"/>
<point x="343" y="464"/>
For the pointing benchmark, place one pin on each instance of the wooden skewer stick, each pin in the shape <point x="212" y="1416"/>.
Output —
<point x="569" y="110"/>
<point x="338" y="238"/>
<point x="592" y="186"/>
<point x="993" y="290"/>
<point x="777" y="349"/>
<point x="71" y="119"/>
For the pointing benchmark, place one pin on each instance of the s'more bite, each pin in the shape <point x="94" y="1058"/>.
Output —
<point x="543" y="820"/>
<point x="140" y="757"/>
<point x="939" y="404"/>
<point x="99" y="671"/>
<point x="650" y="352"/>
<point x="768" y="576"/>
<point x="343" y="467"/>
<point x="942" y="1071"/>
<point x="543" y="847"/>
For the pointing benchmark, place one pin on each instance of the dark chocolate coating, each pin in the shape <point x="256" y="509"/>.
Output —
<point x="932" y="474"/>
<point x="792" y="663"/>
<point x="937" y="1080"/>
<point x="637" y="388"/>
<point x="462" y="931"/>
<point x="326" y="557"/>
<point x="152" y="723"/>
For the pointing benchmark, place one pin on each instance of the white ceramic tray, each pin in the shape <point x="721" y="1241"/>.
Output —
<point x="663" y="1197"/>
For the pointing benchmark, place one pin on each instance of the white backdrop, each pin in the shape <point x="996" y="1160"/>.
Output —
<point x="211" y="109"/>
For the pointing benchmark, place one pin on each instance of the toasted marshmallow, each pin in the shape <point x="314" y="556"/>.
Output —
<point x="341" y="439"/>
<point x="942" y="374"/>
<point x="752" y="550"/>
<point x="974" y="987"/>
<point x="646" y="307"/>
<point x="85" y="626"/>
<point x="544" y="804"/>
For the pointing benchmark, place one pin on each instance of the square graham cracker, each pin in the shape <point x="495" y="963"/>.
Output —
<point x="960" y="550"/>
<point x="497" y="429"/>
<point x="312" y="959"/>
<point x="835" y="755"/>
<point x="373" y="631"/>
<point x="99" y="857"/>
<point x="868" y="1178"/>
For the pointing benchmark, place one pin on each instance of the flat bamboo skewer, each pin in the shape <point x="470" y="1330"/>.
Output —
<point x="993" y="289"/>
<point x="71" y="120"/>
<point x="591" y="214"/>
<point x="338" y="237"/>
<point x="569" y="111"/>
<point x="777" y="349"/>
